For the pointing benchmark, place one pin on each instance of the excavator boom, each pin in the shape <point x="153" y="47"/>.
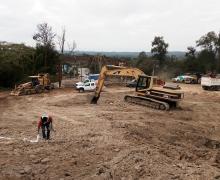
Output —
<point x="111" y="70"/>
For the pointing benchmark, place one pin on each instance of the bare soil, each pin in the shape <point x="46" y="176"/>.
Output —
<point x="110" y="140"/>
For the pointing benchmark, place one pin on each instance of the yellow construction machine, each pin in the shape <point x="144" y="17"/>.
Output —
<point x="38" y="84"/>
<point x="150" y="91"/>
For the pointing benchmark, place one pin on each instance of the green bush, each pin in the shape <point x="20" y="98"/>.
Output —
<point x="10" y="74"/>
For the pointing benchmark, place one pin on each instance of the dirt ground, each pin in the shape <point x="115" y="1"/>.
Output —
<point x="110" y="140"/>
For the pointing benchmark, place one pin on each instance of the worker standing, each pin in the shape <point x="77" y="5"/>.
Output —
<point x="46" y="124"/>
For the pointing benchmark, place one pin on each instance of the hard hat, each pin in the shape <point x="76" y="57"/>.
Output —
<point x="44" y="115"/>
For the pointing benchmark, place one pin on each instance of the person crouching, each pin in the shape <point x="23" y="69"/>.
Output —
<point x="45" y="123"/>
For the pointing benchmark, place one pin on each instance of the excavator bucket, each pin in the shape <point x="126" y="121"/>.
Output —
<point x="94" y="100"/>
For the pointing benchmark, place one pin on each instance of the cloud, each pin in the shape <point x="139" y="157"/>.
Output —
<point x="112" y="25"/>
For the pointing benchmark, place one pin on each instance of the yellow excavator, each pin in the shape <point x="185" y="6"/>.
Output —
<point x="150" y="91"/>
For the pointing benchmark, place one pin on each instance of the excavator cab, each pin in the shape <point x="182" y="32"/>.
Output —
<point x="144" y="83"/>
<point x="148" y="82"/>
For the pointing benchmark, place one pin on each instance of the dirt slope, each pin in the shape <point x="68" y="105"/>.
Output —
<point x="111" y="140"/>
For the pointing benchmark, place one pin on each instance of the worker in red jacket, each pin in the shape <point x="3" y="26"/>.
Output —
<point x="45" y="123"/>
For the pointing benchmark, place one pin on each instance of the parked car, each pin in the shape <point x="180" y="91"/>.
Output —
<point x="133" y="83"/>
<point x="188" y="79"/>
<point x="191" y="80"/>
<point x="179" y="79"/>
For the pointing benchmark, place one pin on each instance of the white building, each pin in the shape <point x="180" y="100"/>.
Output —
<point x="83" y="72"/>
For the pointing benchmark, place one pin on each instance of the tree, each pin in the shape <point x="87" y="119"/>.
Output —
<point x="52" y="60"/>
<point x="45" y="41"/>
<point x="191" y="61"/>
<point x="217" y="44"/>
<point x="61" y="41"/>
<point x="16" y="62"/>
<point x="142" y="55"/>
<point x="145" y="63"/>
<point x="191" y="52"/>
<point x="208" y="42"/>
<point x="159" y="49"/>
<point x="72" y="47"/>
<point x="210" y="45"/>
<point x="45" y="35"/>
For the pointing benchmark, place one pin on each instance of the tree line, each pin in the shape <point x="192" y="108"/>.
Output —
<point x="18" y="61"/>
<point x="202" y="58"/>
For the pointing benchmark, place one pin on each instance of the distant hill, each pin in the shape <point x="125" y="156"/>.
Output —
<point x="178" y="54"/>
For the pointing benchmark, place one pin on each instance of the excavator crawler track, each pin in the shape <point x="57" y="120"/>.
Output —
<point x="148" y="102"/>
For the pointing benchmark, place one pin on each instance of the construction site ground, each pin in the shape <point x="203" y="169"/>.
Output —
<point x="110" y="140"/>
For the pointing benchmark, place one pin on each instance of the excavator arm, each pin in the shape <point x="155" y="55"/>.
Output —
<point x="111" y="70"/>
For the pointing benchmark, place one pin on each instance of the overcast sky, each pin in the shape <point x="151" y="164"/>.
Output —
<point x="112" y="25"/>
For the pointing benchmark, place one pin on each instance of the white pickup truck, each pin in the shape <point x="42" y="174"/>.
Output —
<point x="209" y="83"/>
<point x="87" y="85"/>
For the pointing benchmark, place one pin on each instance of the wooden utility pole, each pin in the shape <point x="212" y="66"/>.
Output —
<point x="60" y="73"/>
<point x="61" y="43"/>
